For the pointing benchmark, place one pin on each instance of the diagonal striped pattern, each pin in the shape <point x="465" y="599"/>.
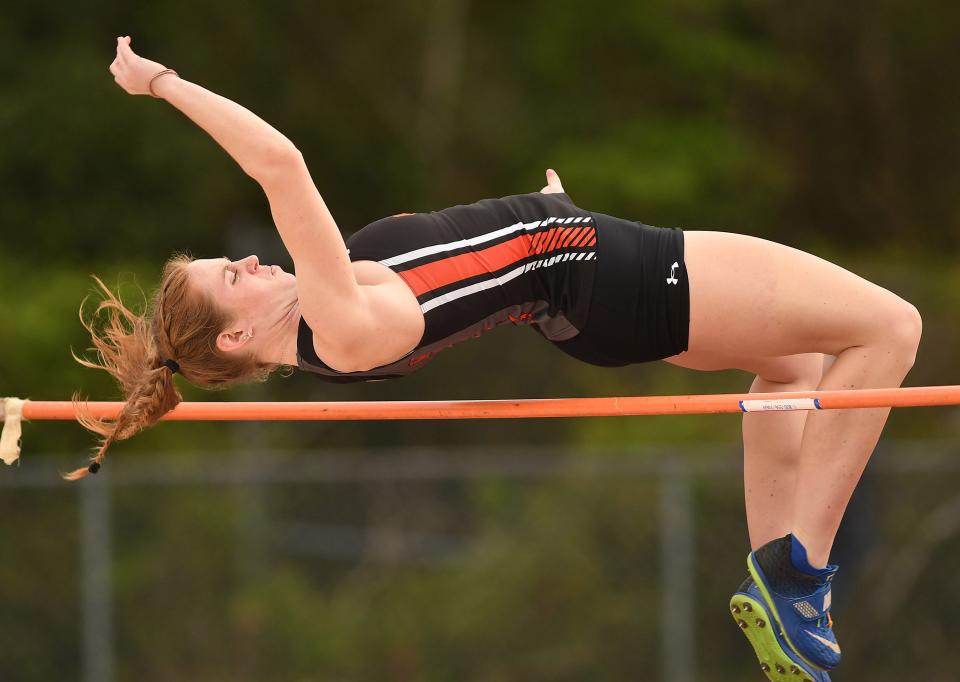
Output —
<point x="563" y="237"/>
<point x="506" y="253"/>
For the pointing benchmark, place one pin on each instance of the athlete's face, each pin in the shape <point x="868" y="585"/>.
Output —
<point x="256" y="297"/>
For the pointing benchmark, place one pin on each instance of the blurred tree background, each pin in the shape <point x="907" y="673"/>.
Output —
<point x="831" y="129"/>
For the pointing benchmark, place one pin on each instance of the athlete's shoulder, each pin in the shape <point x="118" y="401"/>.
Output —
<point x="383" y="238"/>
<point x="549" y="197"/>
<point x="536" y="198"/>
<point x="529" y="206"/>
<point x="538" y="202"/>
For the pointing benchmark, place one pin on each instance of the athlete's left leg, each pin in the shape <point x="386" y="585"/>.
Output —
<point x="795" y="303"/>
<point x="753" y="298"/>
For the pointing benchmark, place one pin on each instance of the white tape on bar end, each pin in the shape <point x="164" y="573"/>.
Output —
<point x="10" y="438"/>
<point x="780" y="405"/>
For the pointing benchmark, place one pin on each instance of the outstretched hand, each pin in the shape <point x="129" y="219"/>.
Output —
<point x="131" y="71"/>
<point x="553" y="183"/>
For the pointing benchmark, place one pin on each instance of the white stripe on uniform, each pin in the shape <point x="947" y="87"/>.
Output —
<point x="488" y="283"/>
<point x="473" y="241"/>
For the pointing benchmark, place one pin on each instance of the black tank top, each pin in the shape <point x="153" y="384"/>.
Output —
<point x="524" y="259"/>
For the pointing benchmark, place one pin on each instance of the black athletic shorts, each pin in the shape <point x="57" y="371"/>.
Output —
<point x="640" y="305"/>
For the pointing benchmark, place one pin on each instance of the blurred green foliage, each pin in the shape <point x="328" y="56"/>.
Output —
<point x="831" y="129"/>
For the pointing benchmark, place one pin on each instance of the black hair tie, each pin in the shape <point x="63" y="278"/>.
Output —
<point x="94" y="467"/>
<point x="171" y="365"/>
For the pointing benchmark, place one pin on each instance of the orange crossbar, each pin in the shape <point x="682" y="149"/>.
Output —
<point x="922" y="396"/>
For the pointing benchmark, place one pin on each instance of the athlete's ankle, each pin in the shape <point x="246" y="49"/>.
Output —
<point x="801" y="562"/>
<point x="776" y="561"/>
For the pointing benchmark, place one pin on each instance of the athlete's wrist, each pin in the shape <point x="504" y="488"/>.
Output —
<point x="162" y="83"/>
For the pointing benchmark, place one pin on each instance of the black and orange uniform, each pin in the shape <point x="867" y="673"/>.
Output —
<point x="604" y="290"/>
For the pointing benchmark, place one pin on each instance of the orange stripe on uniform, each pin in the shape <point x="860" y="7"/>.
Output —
<point x="555" y="239"/>
<point x="538" y="241"/>
<point x="569" y="240"/>
<point x="586" y="236"/>
<point x="440" y="273"/>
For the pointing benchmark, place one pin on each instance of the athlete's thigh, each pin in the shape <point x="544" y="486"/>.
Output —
<point x="806" y="368"/>
<point x="753" y="297"/>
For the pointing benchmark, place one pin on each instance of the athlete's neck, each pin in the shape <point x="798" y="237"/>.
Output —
<point x="280" y="345"/>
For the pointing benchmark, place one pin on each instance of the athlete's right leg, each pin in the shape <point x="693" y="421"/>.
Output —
<point x="771" y="440"/>
<point x="771" y="454"/>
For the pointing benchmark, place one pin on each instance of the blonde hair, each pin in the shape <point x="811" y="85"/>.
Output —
<point x="181" y="323"/>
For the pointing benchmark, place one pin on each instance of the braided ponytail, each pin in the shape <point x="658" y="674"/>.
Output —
<point x="146" y="403"/>
<point x="140" y="350"/>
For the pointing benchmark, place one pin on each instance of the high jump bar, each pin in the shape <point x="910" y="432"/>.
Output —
<point x="920" y="396"/>
<point x="14" y="410"/>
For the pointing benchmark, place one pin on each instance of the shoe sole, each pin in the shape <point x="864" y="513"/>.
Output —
<point x="753" y="619"/>
<point x="761" y="584"/>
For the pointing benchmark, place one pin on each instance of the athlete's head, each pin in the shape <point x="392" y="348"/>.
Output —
<point x="256" y="298"/>
<point x="192" y="319"/>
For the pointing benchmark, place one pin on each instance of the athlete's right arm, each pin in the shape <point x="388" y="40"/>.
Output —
<point x="331" y="300"/>
<point x="251" y="141"/>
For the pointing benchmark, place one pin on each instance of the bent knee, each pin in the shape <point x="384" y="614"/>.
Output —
<point x="903" y="329"/>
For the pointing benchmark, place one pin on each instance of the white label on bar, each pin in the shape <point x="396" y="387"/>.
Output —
<point x="780" y="405"/>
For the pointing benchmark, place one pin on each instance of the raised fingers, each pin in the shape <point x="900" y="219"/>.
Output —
<point x="553" y="183"/>
<point x="123" y="47"/>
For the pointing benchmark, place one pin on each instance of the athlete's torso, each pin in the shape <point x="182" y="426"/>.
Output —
<point x="525" y="259"/>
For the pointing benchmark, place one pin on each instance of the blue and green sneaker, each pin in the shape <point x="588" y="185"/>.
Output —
<point x="800" y="602"/>
<point x="777" y="659"/>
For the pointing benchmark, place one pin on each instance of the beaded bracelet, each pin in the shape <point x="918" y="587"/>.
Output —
<point x="156" y="76"/>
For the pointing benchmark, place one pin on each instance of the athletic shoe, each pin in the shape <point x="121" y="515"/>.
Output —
<point x="778" y="661"/>
<point x="799" y="602"/>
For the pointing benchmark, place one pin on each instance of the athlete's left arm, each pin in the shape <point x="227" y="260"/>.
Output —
<point x="553" y="183"/>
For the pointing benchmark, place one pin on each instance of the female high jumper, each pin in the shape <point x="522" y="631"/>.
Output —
<point x="604" y="290"/>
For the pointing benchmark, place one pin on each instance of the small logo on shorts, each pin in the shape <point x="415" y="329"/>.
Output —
<point x="673" y="269"/>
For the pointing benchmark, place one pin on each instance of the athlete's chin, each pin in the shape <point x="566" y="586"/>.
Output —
<point x="286" y="282"/>
<point x="279" y="272"/>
